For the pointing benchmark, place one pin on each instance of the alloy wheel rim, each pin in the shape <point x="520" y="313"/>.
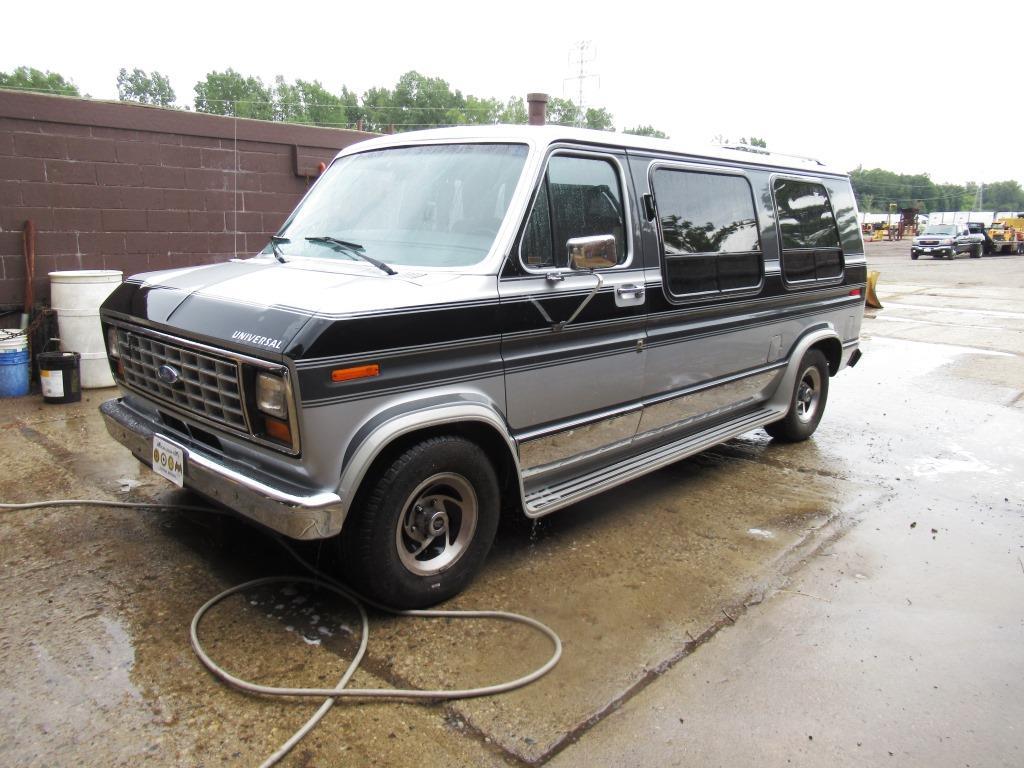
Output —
<point x="437" y="524"/>
<point x="808" y="394"/>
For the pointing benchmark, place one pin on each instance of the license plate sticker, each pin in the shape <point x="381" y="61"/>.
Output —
<point x="169" y="461"/>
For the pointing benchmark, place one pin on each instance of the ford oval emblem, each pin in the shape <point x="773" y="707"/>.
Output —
<point x="168" y="375"/>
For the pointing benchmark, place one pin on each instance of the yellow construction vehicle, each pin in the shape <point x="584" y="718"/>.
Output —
<point x="1007" y="235"/>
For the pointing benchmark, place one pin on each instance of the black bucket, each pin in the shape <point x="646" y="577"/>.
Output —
<point x="58" y="377"/>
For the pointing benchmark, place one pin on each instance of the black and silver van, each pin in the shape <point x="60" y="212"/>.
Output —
<point x="461" y="321"/>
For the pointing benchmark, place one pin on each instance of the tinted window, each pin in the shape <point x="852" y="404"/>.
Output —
<point x="579" y="197"/>
<point x="845" y="210"/>
<point x="805" y="215"/>
<point x="709" y="231"/>
<point x="807" y="226"/>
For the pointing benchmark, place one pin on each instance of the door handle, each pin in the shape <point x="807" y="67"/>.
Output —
<point x="629" y="291"/>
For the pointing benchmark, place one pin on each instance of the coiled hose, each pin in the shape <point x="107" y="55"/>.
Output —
<point x="321" y="579"/>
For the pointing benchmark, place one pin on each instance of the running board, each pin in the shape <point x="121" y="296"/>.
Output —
<point x="544" y="500"/>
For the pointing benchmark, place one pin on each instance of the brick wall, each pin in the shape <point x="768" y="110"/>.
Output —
<point x="134" y="188"/>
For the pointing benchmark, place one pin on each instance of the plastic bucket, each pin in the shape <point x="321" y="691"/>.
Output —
<point x="58" y="377"/>
<point x="77" y="297"/>
<point x="14" y="364"/>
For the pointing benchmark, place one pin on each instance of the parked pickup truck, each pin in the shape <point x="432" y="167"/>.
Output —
<point x="947" y="240"/>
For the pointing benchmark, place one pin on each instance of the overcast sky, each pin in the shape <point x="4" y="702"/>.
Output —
<point x="902" y="86"/>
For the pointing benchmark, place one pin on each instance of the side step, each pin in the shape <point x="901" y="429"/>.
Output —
<point x="544" y="500"/>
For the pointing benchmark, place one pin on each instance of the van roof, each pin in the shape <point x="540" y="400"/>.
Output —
<point x="543" y="135"/>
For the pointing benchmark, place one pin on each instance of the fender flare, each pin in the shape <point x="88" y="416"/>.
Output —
<point x="784" y="390"/>
<point x="385" y="427"/>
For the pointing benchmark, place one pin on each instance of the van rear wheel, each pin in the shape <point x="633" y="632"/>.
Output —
<point x="424" y="525"/>
<point x="807" y="403"/>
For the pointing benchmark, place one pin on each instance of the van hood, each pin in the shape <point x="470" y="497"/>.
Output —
<point x="259" y="306"/>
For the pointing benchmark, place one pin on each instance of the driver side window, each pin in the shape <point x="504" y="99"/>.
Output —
<point x="579" y="197"/>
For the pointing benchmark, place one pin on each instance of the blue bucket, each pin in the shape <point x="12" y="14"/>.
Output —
<point x="14" y="374"/>
<point x="14" y="365"/>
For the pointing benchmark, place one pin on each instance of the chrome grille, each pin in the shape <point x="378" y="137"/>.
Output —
<point x="207" y="385"/>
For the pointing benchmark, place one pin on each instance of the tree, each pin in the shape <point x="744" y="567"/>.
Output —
<point x="416" y="102"/>
<point x="144" y="88"/>
<point x="646" y="130"/>
<point x="563" y="111"/>
<point x="228" y="93"/>
<point x="755" y="142"/>
<point x="514" y="112"/>
<point x="598" y="119"/>
<point x="1003" y="196"/>
<point x="31" y="79"/>
<point x="309" y="102"/>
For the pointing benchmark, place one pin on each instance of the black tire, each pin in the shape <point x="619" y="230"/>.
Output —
<point x="913" y="255"/>
<point x="976" y="251"/>
<point x="439" y="496"/>
<point x="807" y="403"/>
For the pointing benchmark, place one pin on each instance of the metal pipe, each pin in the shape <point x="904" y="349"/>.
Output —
<point x="28" y="238"/>
<point x="537" y="106"/>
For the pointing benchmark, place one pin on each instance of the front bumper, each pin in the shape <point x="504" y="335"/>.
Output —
<point x="932" y="250"/>
<point x="295" y="512"/>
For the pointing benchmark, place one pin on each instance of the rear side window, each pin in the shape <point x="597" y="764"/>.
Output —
<point x="709" y="232"/>
<point x="578" y="197"/>
<point x="808" y="232"/>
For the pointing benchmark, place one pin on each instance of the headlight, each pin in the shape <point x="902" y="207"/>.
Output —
<point x="112" y="351"/>
<point x="947" y="241"/>
<point x="271" y="397"/>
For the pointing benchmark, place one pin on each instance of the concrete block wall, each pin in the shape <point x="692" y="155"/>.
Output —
<point x="121" y="186"/>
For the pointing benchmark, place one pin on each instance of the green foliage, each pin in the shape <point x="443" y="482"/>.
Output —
<point x="753" y="141"/>
<point x="876" y="188"/>
<point x="514" y="112"/>
<point x="646" y="130"/>
<point x="599" y="119"/>
<point x="420" y="102"/>
<point x="32" y="79"/>
<point x="309" y="102"/>
<point x="144" y="88"/>
<point x="563" y="111"/>
<point x="416" y="102"/>
<point x="228" y="93"/>
<point x="1003" y="196"/>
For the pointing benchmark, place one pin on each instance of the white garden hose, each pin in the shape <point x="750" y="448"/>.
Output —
<point x="330" y="695"/>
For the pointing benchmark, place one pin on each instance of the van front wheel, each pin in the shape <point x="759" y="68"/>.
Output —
<point x="807" y="402"/>
<point x="425" y="525"/>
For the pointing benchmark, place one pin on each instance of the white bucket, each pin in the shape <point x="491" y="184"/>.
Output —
<point x="13" y="340"/>
<point x="77" y="297"/>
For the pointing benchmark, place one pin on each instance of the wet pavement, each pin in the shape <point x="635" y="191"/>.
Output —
<point x="831" y="602"/>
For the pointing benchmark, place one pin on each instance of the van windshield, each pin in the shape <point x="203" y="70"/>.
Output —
<point x="433" y="206"/>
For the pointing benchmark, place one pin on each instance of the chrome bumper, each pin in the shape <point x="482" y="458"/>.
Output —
<point x="287" y="510"/>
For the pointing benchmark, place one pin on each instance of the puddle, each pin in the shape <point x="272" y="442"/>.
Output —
<point x="962" y="461"/>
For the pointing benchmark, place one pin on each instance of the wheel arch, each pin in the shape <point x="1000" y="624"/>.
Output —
<point x="824" y="338"/>
<point x="394" y="430"/>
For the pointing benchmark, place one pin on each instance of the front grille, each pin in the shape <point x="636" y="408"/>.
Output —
<point x="207" y="385"/>
<point x="929" y="242"/>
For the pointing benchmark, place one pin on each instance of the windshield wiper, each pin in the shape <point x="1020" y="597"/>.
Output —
<point x="353" y="249"/>
<point x="275" y="241"/>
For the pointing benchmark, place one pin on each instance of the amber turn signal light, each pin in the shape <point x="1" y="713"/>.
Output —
<point x="358" y="372"/>
<point x="278" y="430"/>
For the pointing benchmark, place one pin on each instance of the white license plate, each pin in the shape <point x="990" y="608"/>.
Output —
<point x="169" y="461"/>
<point x="927" y="250"/>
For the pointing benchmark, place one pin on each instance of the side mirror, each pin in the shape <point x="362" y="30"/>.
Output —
<point x="595" y="252"/>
